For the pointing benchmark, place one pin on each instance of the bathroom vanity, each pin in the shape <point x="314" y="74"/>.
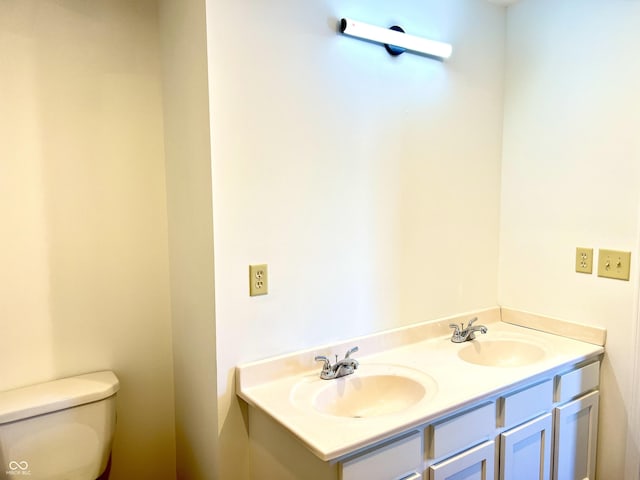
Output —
<point x="514" y="403"/>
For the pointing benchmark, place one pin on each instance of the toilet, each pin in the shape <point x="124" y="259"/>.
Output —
<point x="59" y="430"/>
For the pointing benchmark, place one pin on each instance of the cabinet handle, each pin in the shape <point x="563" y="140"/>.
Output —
<point x="412" y="476"/>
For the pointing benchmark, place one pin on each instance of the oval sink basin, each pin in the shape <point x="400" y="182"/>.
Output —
<point x="373" y="390"/>
<point x="501" y="353"/>
<point x="369" y="396"/>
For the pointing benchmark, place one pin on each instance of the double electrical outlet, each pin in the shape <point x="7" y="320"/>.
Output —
<point x="611" y="263"/>
<point x="258" y="280"/>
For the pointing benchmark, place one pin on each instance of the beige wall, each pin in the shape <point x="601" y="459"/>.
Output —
<point x="84" y="277"/>
<point x="188" y="160"/>
<point x="369" y="184"/>
<point x="571" y="177"/>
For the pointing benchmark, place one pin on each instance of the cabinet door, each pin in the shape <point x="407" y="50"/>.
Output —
<point x="474" y="464"/>
<point x="576" y="434"/>
<point x="525" y="451"/>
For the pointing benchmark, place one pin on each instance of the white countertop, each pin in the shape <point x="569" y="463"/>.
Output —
<point x="280" y="386"/>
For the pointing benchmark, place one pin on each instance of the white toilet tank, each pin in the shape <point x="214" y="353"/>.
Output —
<point x="59" y="430"/>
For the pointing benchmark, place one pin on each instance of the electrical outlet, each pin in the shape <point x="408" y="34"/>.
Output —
<point x="258" y="280"/>
<point x="614" y="264"/>
<point x="584" y="260"/>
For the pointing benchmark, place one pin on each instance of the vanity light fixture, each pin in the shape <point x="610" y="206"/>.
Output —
<point x="395" y="40"/>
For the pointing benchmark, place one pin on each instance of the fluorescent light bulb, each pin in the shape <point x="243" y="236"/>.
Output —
<point x="395" y="38"/>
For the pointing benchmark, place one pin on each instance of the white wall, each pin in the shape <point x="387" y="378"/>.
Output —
<point x="369" y="184"/>
<point x="188" y="161"/>
<point x="84" y="276"/>
<point x="571" y="177"/>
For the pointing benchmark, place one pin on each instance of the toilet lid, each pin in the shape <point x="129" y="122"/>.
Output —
<point x="26" y="402"/>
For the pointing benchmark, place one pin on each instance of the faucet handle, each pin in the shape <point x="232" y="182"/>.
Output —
<point x="327" y="362"/>
<point x="353" y="350"/>
<point x="352" y="361"/>
<point x="456" y="328"/>
<point x="471" y="322"/>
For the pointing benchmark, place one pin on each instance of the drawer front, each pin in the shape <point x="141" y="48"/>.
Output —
<point x="475" y="464"/>
<point x="525" y="404"/>
<point x="399" y="459"/>
<point x="462" y="431"/>
<point x="571" y="384"/>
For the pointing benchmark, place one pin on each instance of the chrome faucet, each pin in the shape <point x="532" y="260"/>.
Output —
<point x="462" y="334"/>
<point x="341" y="368"/>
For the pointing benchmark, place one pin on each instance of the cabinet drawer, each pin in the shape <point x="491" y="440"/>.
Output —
<point x="476" y="463"/>
<point x="525" y="404"/>
<point x="399" y="459"/>
<point x="462" y="431"/>
<point x="571" y="384"/>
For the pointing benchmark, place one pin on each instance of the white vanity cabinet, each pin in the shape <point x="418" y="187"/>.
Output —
<point x="544" y="428"/>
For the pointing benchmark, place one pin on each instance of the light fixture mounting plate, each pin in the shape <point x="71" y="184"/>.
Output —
<point x="393" y="49"/>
